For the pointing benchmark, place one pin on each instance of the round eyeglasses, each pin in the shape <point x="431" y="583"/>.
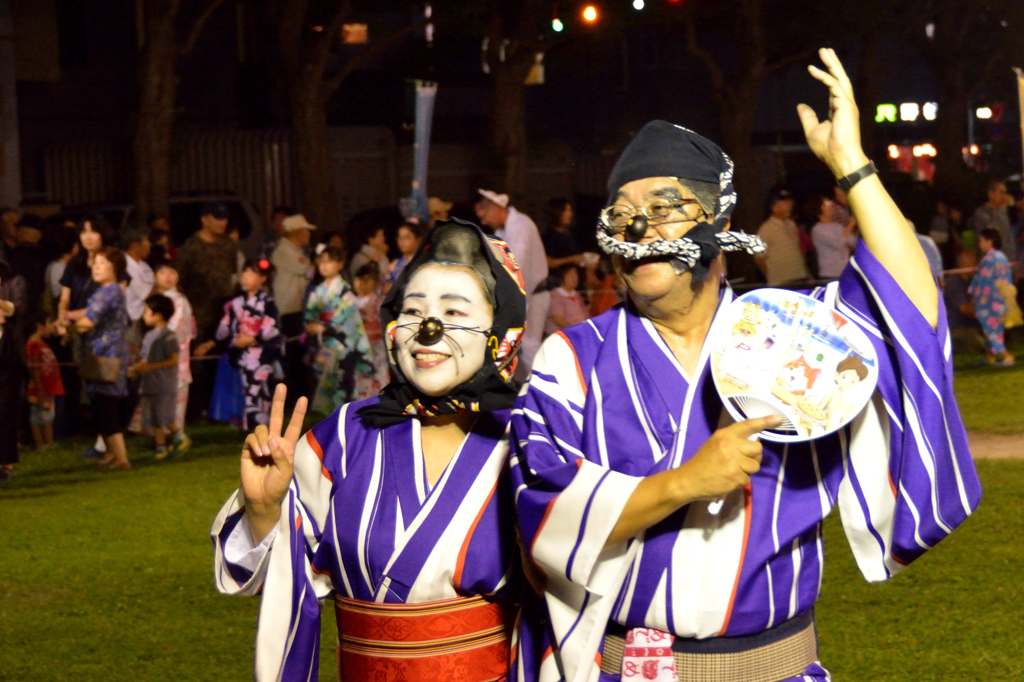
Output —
<point x="658" y="210"/>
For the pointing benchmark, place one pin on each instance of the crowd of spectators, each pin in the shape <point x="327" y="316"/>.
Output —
<point x="109" y="333"/>
<point x="973" y="256"/>
<point x="128" y="332"/>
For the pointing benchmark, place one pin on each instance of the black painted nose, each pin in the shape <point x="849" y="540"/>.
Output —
<point x="636" y="228"/>
<point x="431" y="331"/>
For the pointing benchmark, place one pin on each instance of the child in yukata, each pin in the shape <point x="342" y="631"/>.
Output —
<point x="250" y="326"/>
<point x="343" y="362"/>
<point x="849" y="372"/>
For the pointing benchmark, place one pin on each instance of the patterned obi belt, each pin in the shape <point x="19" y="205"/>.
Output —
<point x="457" y="640"/>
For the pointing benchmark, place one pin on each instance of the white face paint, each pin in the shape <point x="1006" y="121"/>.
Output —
<point x="455" y="295"/>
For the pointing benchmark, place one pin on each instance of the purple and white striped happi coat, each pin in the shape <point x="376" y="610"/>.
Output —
<point x="608" y="404"/>
<point x="361" y="519"/>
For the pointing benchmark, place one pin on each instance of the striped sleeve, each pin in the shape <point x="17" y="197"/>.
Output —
<point x="567" y="504"/>
<point x="293" y="576"/>
<point x="908" y="478"/>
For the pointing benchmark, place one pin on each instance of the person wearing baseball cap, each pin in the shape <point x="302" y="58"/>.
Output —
<point x="782" y="261"/>
<point x="292" y="272"/>
<point x="206" y="263"/>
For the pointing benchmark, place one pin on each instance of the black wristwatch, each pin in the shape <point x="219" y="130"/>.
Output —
<point x="856" y="176"/>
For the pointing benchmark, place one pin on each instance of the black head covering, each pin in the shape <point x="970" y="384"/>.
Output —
<point x="662" y="149"/>
<point x="458" y="242"/>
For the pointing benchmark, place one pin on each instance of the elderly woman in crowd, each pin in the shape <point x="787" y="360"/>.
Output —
<point x="104" y="361"/>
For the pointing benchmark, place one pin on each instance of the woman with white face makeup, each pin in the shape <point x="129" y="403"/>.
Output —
<point x="397" y="505"/>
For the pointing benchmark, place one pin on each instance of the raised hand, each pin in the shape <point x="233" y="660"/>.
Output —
<point x="268" y="458"/>
<point x="835" y="140"/>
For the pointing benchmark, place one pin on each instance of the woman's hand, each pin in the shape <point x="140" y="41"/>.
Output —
<point x="836" y="140"/>
<point x="245" y="341"/>
<point x="314" y="328"/>
<point x="267" y="465"/>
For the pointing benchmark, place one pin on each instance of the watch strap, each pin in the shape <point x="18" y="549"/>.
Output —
<point x="856" y="176"/>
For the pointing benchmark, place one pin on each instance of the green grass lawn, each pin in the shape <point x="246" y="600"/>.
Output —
<point x="992" y="398"/>
<point x="108" y="577"/>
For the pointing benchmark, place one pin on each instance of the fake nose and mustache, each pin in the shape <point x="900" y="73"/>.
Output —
<point x="430" y="332"/>
<point x="636" y="228"/>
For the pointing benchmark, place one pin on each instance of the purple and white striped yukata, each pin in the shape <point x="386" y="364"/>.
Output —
<point x="608" y="404"/>
<point x="360" y="519"/>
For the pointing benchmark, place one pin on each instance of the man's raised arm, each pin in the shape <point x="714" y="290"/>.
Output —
<point x="836" y="141"/>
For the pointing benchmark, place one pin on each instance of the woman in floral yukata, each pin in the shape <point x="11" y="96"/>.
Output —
<point x="250" y="325"/>
<point x="343" y="363"/>
<point x="991" y="279"/>
<point x="398" y="505"/>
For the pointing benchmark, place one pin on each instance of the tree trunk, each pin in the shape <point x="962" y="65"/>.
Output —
<point x="158" y="85"/>
<point x="508" y="126"/>
<point x="318" y="196"/>
<point x="736" y="120"/>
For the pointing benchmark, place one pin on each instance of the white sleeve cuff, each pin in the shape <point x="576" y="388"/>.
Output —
<point x="239" y="549"/>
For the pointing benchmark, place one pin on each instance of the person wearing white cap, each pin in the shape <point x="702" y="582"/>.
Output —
<point x="292" y="271"/>
<point x="523" y="238"/>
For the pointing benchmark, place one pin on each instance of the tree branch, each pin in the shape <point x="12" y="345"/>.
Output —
<point x="367" y="54"/>
<point x="198" y="25"/>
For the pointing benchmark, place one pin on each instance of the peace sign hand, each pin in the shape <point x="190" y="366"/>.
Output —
<point x="836" y="140"/>
<point x="268" y="458"/>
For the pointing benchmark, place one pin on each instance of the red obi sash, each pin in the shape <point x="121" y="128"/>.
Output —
<point x="455" y="640"/>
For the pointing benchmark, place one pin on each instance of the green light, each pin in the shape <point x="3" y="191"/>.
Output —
<point x="557" y="25"/>
<point x="885" y="112"/>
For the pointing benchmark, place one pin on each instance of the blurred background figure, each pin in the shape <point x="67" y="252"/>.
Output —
<point x="833" y="241"/>
<point x="44" y="385"/>
<point x="12" y="373"/>
<point x="931" y="250"/>
<point x="783" y="261"/>
<point x="340" y="351"/>
<point x="439" y="210"/>
<point x="369" y="295"/>
<point x="277" y="218"/>
<point x="994" y="215"/>
<point x="566" y="306"/>
<point x="960" y="317"/>
<point x="520" y="233"/>
<point x="408" y="240"/>
<point x="990" y="289"/>
<point x="292" y="271"/>
<point x="252" y="339"/>
<point x="104" y="358"/>
<point x="373" y="248"/>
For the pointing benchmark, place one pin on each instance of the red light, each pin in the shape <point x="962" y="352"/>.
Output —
<point x="590" y="13"/>
<point x="264" y="264"/>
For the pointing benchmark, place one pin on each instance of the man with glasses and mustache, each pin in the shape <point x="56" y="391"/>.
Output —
<point x="674" y="545"/>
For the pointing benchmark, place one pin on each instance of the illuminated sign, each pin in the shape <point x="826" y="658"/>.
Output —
<point x="885" y="112"/>
<point x="909" y="111"/>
